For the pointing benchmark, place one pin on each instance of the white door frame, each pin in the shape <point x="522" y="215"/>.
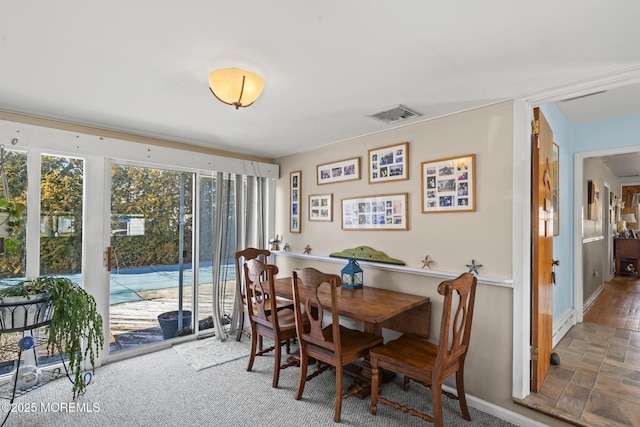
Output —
<point x="523" y="112"/>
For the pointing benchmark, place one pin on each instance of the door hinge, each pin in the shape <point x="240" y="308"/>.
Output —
<point x="534" y="353"/>
<point x="535" y="127"/>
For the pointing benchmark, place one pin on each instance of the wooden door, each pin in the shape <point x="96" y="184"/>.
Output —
<point x="542" y="249"/>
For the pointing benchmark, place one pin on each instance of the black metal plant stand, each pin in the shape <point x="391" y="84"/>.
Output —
<point x="22" y="317"/>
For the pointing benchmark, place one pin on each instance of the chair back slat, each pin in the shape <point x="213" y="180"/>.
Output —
<point x="306" y="285"/>
<point x="239" y="305"/>
<point x="457" y="315"/>
<point x="261" y="293"/>
<point x="240" y="258"/>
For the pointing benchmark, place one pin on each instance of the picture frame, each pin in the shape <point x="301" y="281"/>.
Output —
<point x="295" y="197"/>
<point x="555" y="171"/>
<point x="379" y="212"/>
<point x="593" y="200"/>
<point x="390" y="163"/>
<point x="321" y="207"/>
<point x="448" y="184"/>
<point x="342" y="170"/>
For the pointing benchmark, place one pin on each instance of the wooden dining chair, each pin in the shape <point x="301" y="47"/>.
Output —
<point x="277" y="325"/>
<point x="431" y="364"/>
<point x="335" y="345"/>
<point x="240" y="258"/>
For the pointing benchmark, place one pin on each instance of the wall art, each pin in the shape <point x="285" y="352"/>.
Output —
<point x="389" y="163"/>
<point x="342" y="170"/>
<point x="295" y="184"/>
<point x="555" y="171"/>
<point x="593" y="203"/>
<point x="448" y="185"/>
<point x="321" y="207"/>
<point x="381" y="212"/>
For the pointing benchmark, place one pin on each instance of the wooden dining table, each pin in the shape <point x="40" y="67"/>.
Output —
<point x="377" y="308"/>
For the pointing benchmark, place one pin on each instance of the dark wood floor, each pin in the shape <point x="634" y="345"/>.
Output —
<point x="618" y="305"/>
<point x="598" y="380"/>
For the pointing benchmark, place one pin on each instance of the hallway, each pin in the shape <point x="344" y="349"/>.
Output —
<point x="618" y="305"/>
<point x="598" y="380"/>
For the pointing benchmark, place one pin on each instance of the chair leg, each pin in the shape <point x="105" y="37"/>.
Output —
<point x="375" y="388"/>
<point x="276" y="368"/>
<point x="336" y="417"/>
<point x="252" y="356"/>
<point x="304" y="361"/>
<point x="240" y="326"/>
<point x="462" y="397"/>
<point x="436" y="401"/>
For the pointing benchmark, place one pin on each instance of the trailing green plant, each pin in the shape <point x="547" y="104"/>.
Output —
<point x="13" y="222"/>
<point x="25" y="289"/>
<point x="76" y="326"/>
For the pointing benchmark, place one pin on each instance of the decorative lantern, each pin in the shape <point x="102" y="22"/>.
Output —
<point x="352" y="275"/>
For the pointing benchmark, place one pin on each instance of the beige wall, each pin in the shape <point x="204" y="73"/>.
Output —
<point x="451" y="239"/>
<point x="595" y="267"/>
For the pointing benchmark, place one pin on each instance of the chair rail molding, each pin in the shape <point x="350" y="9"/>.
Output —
<point x="486" y="280"/>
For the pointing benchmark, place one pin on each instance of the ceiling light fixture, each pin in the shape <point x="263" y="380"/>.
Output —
<point x="235" y="87"/>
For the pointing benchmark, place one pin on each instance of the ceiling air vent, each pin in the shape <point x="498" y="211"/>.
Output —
<point x="395" y="114"/>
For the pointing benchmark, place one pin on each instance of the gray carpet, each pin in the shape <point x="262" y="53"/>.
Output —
<point x="162" y="389"/>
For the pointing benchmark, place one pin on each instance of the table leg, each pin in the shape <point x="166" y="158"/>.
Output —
<point x="361" y="386"/>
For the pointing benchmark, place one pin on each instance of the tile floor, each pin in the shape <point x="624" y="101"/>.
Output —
<point x="597" y="382"/>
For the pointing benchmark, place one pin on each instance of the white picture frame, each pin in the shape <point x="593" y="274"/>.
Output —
<point x="342" y="170"/>
<point x="321" y="207"/>
<point x="390" y="163"/>
<point x="380" y="212"/>
<point x="295" y="197"/>
<point x="448" y="185"/>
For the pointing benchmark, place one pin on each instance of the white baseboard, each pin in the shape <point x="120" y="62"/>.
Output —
<point x="498" y="411"/>
<point x="592" y="299"/>
<point x="562" y="326"/>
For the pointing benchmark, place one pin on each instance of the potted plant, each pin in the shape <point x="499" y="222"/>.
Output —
<point x="169" y="323"/>
<point x="75" y="328"/>
<point x="10" y="222"/>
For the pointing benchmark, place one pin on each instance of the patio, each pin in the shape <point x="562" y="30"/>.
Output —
<point x="135" y="323"/>
<point x="136" y="301"/>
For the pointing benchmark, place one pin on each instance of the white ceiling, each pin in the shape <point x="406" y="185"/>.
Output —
<point x="141" y="66"/>
<point x="625" y="166"/>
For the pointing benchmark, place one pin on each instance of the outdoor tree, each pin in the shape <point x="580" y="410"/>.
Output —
<point x="152" y="195"/>
<point x="61" y="188"/>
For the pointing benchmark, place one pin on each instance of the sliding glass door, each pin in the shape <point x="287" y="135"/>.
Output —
<point x="156" y="293"/>
<point x="151" y="279"/>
